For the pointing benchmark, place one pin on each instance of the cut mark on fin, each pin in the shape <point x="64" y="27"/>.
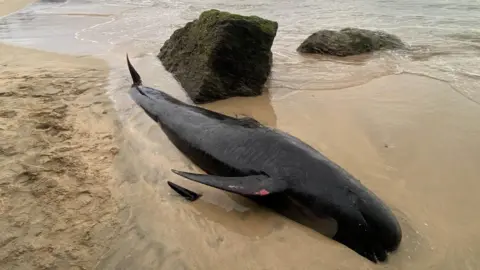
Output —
<point x="262" y="192"/>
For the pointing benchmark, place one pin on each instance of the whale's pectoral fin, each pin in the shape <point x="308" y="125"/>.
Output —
<point x="185" y="193"/>
<point x="251" y="185"/>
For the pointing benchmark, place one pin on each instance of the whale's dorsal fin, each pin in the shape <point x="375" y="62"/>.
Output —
<point x="251" y="185"/>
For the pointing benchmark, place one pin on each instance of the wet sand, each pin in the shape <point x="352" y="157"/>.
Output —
<point x="9" y="6"/>
<point x="408" y="138"/>
<point x="58" y="143"/>
<point x="97" y="191"/>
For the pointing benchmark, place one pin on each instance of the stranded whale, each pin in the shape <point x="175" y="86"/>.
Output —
<point x="271" y="167"/>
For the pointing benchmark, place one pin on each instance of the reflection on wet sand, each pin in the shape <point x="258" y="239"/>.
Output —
<point x="259" y="108"/>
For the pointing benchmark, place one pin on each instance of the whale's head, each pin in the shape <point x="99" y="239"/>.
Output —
<point x="364" y="223"/>
<point x="368" y="226"/>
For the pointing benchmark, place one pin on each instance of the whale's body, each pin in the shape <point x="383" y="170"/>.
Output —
<point x="245" y="157"/>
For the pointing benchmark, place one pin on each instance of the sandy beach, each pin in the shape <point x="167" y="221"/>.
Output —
<point x="83" y="169"/>
<point x="9" y="6"/>
<point x="58" y="142"/>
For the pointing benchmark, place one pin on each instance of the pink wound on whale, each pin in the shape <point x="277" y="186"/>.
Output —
<point x="262" y="192"/>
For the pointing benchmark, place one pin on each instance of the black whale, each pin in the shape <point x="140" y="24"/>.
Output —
<point x="269" y="166"/>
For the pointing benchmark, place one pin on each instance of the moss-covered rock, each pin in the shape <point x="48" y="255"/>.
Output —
<point x="220" y="55"/>
<point x="349" y="41"/>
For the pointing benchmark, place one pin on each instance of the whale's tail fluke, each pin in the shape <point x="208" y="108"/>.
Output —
<point x="137" y="80"/>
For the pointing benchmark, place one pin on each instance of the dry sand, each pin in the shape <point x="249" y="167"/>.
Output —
<point x="9" y="6"/>
<point x="56" y="153"/>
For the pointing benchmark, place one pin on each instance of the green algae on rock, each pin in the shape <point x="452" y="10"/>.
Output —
<point x="349" y="41"/>
<point x="220" y="55"/>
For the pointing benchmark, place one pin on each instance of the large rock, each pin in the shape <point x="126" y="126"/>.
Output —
<point x="220" y="55"/>
<point x="349" y="41"/>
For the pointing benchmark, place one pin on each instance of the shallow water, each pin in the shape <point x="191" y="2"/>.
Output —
<point x="406" y="124"/>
